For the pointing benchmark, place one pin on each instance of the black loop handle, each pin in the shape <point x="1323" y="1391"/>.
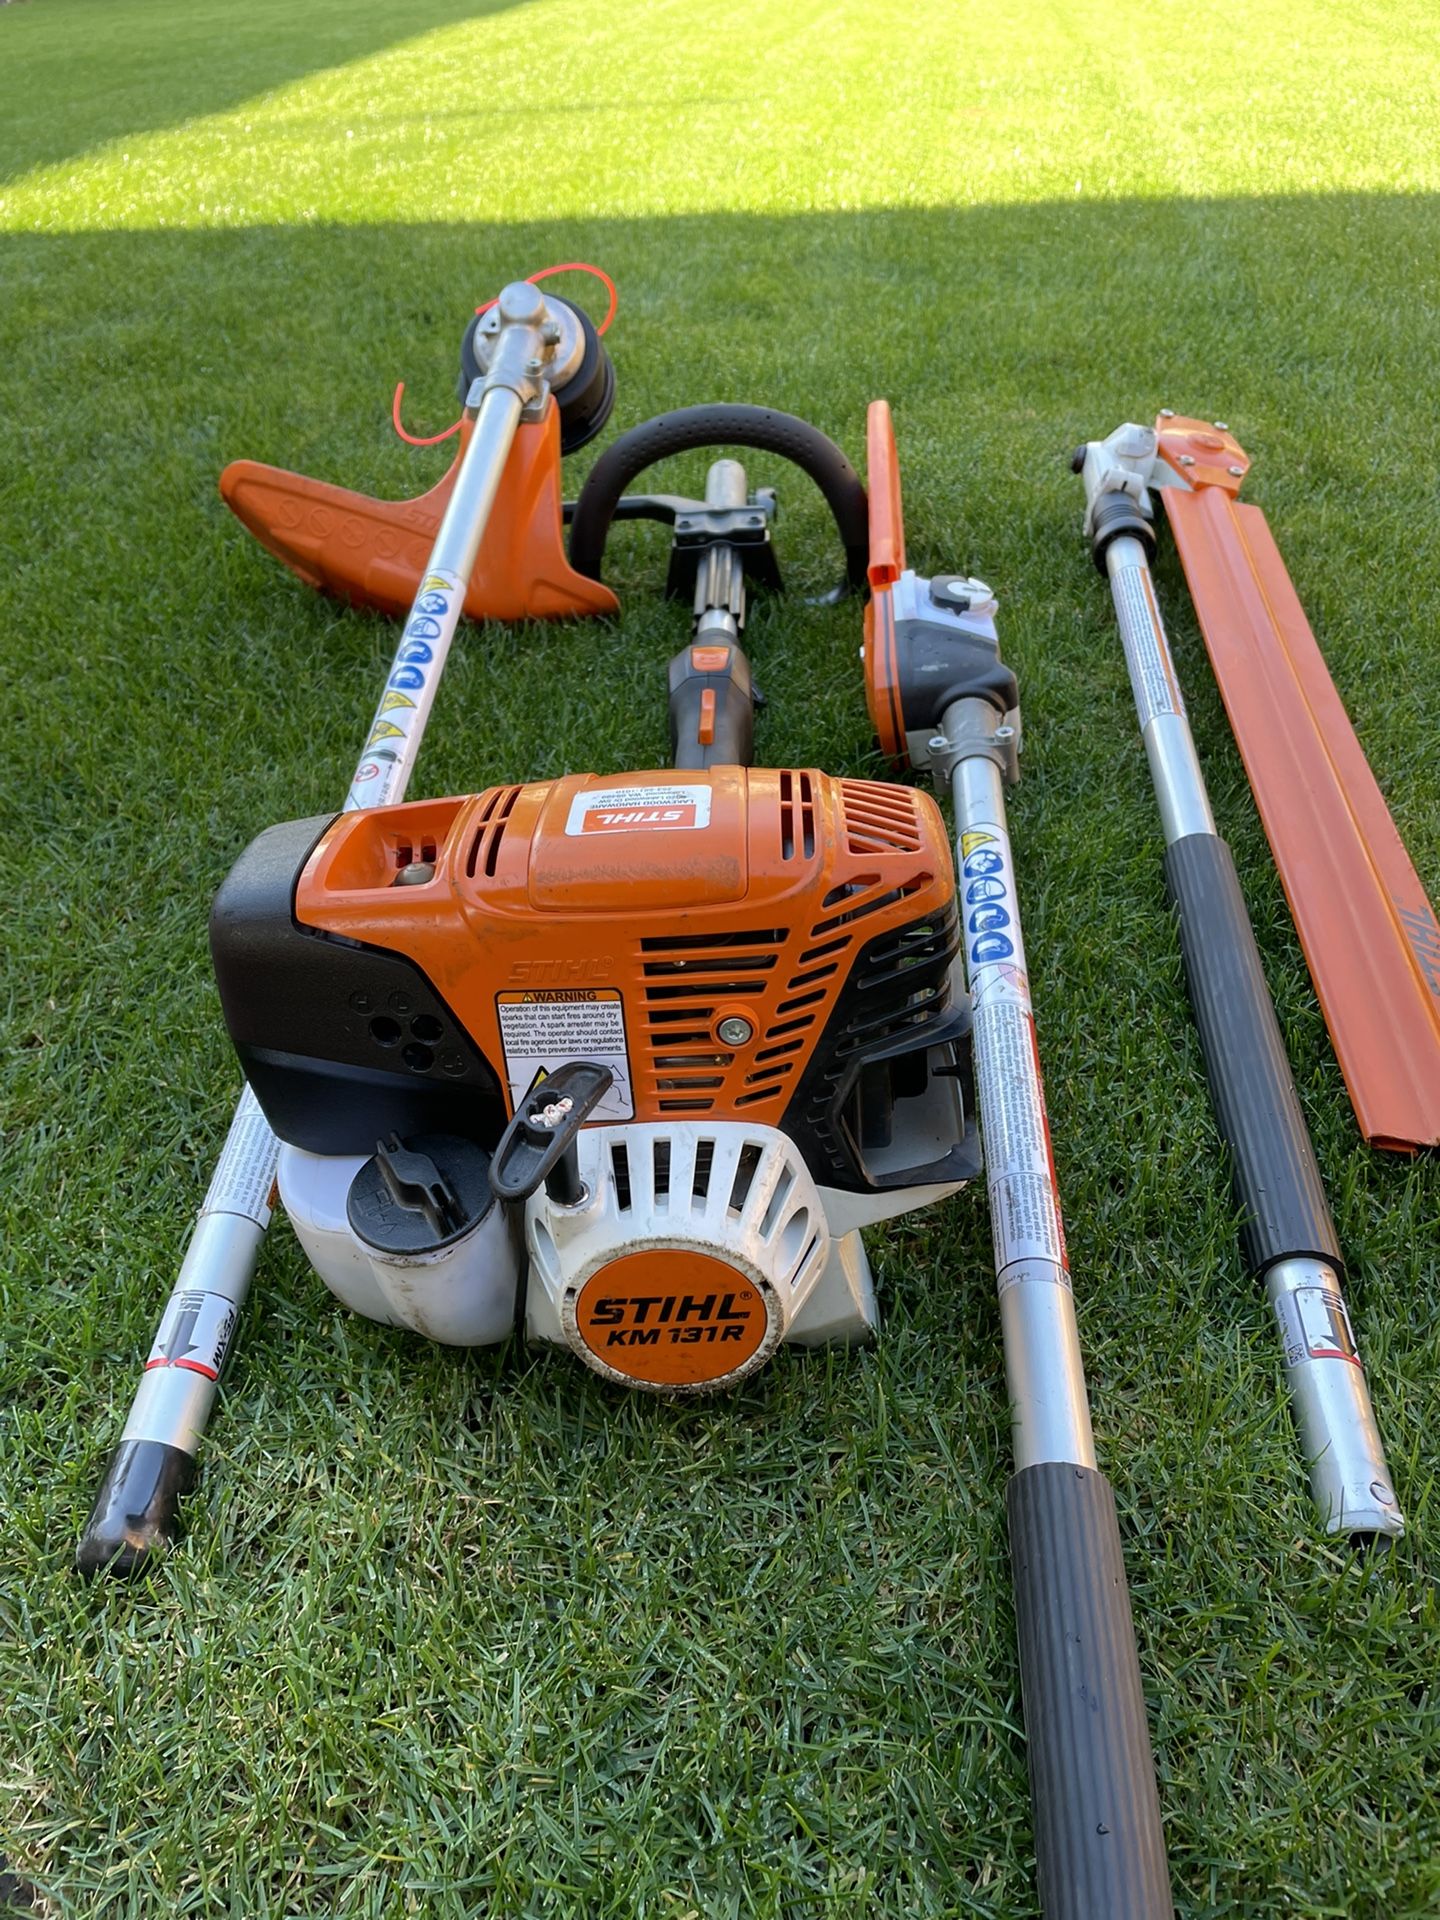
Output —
<point x="763" y="428"/>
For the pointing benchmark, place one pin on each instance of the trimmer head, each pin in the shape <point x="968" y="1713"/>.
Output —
<point x="373" y="553"/>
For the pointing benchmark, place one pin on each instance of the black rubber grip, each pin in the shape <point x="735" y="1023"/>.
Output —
<point x="137" y="1510"/>
<point x="1099" y="1847"/>
<point x="721" y="426"/>
<point x="1277" y="1183"/>
<point x="1116" y="514"/>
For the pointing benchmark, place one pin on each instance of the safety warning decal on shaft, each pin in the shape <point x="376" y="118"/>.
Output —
<point x="1315" y="1325"/>
<point x="1147" y="653"/>
<point x="195" y="1334"/>
<point x="1024" y="1213"/>
<point x="664" y="809"/>
<point x="546" y="1027"/>
<point x="245" y="1172"/>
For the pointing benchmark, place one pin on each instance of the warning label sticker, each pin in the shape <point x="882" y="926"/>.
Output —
<point x="245" y="1172"/>
<point x="194" y="1334"/>
<point x="639" y="810"/>
<point x="1024" y="1215"/>
<point x="1147" y="654"/>
<point x="1315" y="1326"/>
<point x="545" y="1028"/>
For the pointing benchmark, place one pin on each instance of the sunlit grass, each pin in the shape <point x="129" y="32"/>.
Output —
<point x="543" y="108"/>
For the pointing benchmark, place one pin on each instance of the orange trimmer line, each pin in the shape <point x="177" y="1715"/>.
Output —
<point x="1369" y="933"/>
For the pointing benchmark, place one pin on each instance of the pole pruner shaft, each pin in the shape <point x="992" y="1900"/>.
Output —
<point x="1099" y="1843"/>
<point x="1287" y="1232"/>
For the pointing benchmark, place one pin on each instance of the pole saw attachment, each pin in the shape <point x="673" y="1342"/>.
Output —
<point x="1370" y="936"/>
<point x="1288" y="1236"/>
<point x="943" y="702"/>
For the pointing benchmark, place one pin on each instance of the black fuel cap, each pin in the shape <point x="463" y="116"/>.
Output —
<point x="421" y="1194"/>
<point x="953" y="590"/>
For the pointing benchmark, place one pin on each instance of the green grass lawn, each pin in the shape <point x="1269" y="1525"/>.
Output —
<point x="474" y="1635"/>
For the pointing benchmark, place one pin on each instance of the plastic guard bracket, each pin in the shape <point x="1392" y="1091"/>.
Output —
<point x="882" y="479"/>
<point x="1369" y="933"/>
<point x="887" y="563"/>
<point x="372" y="552"/>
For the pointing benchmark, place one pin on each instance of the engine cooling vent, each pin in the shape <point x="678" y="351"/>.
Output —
<point x="866" y="893"/>
<point x="797" y="816"/>
<point x="485" y="847"/>
<point x="686" y="977"/>
<point x="895" y="1003"/>
<point x="879" y="819"/>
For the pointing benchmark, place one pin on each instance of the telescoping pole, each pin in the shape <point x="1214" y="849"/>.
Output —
<point x="1288" y="1235"/>
<point x="136" y="1509"/>
<point x="1099" y="1845"/>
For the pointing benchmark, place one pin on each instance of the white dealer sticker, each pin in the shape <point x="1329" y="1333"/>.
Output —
<point x="546" y="1028"/>
<point x="639" y="810"/>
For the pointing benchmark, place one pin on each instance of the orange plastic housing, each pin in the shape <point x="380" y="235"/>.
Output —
<point x="372" y="552"/>
<point x="734" y="899"/>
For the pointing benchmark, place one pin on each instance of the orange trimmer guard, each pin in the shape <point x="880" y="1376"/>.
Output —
<point x="372" y="552"/>
<point x="1369" y="933"/>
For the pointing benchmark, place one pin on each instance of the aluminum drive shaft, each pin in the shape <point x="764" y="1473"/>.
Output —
<point x="136" y="1509"/>
<point x="1099" y="1843"/>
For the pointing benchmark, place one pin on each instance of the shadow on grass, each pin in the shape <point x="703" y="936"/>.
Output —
<point x="98" y="73"/>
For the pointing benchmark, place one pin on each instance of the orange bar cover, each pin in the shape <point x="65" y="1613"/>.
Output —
<point x="372" y="552"/>
<point x="1370" y="936"/>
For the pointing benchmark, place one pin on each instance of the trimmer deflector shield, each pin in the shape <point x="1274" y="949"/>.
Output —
<point x="372" y="553"/>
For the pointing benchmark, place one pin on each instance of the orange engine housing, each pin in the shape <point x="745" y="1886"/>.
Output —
<point x="739" y="943"/>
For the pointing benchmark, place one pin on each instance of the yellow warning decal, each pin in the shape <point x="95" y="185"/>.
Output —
<point x="541" y="1030"/>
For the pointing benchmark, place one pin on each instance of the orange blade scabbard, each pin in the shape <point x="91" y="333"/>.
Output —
<point x="1369" y="933"/>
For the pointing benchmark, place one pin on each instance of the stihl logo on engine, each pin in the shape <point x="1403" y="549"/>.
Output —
<point x="657" y="809"/>
<point x="549" y="973"/>
<point x="671" y="1316"/>
<point x="715" y="1317"/>
<point x="602" y="821"/>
